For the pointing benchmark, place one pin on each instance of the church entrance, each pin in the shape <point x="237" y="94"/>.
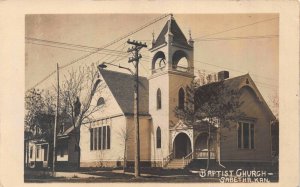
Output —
<point x="182" y="145"/>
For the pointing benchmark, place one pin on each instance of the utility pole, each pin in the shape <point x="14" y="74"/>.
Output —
<point x="137" y="46"/>
<point x="56" y="121"/>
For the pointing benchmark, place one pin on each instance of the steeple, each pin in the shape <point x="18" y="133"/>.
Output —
<point x="171" y="32"/>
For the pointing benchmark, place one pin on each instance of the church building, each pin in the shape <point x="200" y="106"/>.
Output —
<point x="166" y="141"/>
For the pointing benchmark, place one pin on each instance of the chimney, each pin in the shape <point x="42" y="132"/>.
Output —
<point x="222" y="75"/>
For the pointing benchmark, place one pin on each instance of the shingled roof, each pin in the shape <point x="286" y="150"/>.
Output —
<point x="178" y="36"/>
<point x="122" y="87"/>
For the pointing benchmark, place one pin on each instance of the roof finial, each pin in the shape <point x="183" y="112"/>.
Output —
<point x="171" y="16"/>
<point x="190" y="34"/>
<point x="153" y="35"/>
<point x="169" y="24"/>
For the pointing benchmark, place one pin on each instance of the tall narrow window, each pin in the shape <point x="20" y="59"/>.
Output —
<point x="158" y="99"/>
<point x="104" y="137"/>
<point x="99" y="138"/>
<point x="252" y="135"/>
<point x="108" y="137"/>
<point x="95" y="139"/>
<point x="181" y="98"/>
<point x="246" y="135"/>
<point x="239" y="135"/>
<point x="158" y="137"/>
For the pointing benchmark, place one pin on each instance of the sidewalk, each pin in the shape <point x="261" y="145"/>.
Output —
<point x="75" y="175"/>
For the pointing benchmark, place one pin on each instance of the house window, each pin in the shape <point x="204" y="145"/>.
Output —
<point x="100" y="101"/>
<point x="100" y="138"/>
<point x="245" y="135"/>
<point x="38" y="152"/>
<point x="181" y="98"/>
<point x="158" y="137"/>
<point x="158" y="99"/>
<point x="31" y="152"/>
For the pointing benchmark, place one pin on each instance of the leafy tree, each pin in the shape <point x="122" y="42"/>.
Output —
<point x="39" y="117"/>
<point x="210" y="106"/>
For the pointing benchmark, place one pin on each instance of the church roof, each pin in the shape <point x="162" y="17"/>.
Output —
<point x="238" y="82"/>
<point x="178" y="36"/>
<point x="122" y="87"/>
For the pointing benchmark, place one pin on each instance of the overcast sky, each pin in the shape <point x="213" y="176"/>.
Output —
<point x="239" y="43"/>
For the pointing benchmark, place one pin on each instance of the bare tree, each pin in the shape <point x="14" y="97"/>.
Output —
<point x="124" y="135"/>
<point x="77" y="92"/>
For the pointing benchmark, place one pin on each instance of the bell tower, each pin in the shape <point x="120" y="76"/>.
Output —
<point x="172" y="69"/>
<point x="170" y="47"/>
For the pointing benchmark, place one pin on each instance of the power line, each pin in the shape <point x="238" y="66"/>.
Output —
<point x="118" y="53"/>
<point x="117" y="40"/>
<point x="226" y="68"/>
<point x="240" y="38"/>
<point x="107" y="45"/>
<point x="234" y="28"/>
<point x="52" y="73"/>
<point x="260" y="84"/>
<point x="54" y="43"/>
<point x="72" y="49"/>
<point x="124" y="44"/>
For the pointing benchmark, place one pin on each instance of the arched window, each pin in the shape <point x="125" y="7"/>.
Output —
<point x="100" y="101"/>
<point x="181" y="98"/>
<point x="158" y="99"/>
<point x="158" y="137"/>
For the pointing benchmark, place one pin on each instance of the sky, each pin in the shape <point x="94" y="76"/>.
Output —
<point x="239" y="43"/>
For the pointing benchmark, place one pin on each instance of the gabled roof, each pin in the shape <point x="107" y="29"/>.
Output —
<point x="121" y="86"/>
<point x="238" y="82"/>
<point x="178" y="36"/>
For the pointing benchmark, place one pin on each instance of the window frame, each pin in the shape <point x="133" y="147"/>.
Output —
<point x="31" y="152"/>
<point x="181" y="98"/>
<point x="99" y="103"/>
<point x="38" y="148"/>
<point x="158" y="138"/>
<point x="251" y="135"/>
<point x="97" y="141"/>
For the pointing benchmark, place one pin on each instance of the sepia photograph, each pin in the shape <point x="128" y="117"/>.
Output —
<point x="165" y="98"/>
